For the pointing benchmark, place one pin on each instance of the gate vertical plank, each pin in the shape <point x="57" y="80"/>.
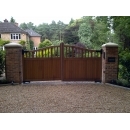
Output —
<point x="62" y="60"/>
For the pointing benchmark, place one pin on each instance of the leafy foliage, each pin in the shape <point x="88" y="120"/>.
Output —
<point x="93" y="32"/>
<point x="2" y="61"/>
<point x="124" y="61"/>
<point x="23" y="26"/>
<point x="121" y="27"/>
<point x="71" y="32"/>
<point x="45" y="43"/>
<point x="12" y="20"/>
<point x="85" y="34"/>
<point x="31" y="44"/>
<point x="22" y="42"/>
<point x="45" y="53"/>
<point x="56" y="42"/>
<point x="29" y="25"/>
<point x="3" y="42"/>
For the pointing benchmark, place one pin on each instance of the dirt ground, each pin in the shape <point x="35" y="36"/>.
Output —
<point x="64" y="97"/>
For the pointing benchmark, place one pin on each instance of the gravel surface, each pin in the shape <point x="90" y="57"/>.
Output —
<point x="64" y="97"/>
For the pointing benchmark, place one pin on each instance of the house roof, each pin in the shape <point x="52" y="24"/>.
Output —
<point x="32" y="33"/>
<point x="7" y="27"/>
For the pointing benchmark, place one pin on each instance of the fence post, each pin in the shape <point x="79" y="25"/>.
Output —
<point x="109" y="62"/>
<point x="62" y="60"/>
<point x="14" y="71"/>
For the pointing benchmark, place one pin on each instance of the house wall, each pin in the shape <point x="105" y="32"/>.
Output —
<point x="7" y="36"/>
<point x="36" y="41"/>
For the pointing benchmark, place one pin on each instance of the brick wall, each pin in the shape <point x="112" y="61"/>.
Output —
<point x="36" y="41"/>
<point x="14" y="62"/>
<point x="109" y="62"/>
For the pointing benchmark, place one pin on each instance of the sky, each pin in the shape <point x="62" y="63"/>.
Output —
<point x="44" y="11"/>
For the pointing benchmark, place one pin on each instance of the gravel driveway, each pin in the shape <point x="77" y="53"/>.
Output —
<point x="64" y="97"/>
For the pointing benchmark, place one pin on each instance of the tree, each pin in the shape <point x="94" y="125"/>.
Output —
<point x="61" y="26"/>
<point x="71" y="21"/>
<point x="101" y="34"/>
<point x="71" y="32"/>
<point x="12" y="20"/>
<point x="44" y="30"/>
<point x="69" y="36"/>
<point x="121" y="27"/>
<point x="45" y="43"/>
<point x="29" y="25"/>
<point x="85" y="32"/>
<point x="23" y="26"/>
<point x="94" y="32"/>
<point x="53" y="31"/>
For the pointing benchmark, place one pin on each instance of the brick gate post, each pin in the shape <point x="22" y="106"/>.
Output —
<point x="109" y="62"/>
<point x="13" y="62"/>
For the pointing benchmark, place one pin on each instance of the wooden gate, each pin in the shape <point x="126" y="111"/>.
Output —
<point x="62" y="62"/>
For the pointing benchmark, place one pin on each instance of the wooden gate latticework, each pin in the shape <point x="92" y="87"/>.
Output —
<point x="64" y="62"/>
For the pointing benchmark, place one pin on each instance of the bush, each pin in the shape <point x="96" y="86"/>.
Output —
<point x="2" y="61"/>
<point x="46" y="53"/>
<point x="124" y="63"/>
<point x="3" y="42"/>
<point x="45" y="43"/>
<point x="31" y="44"/>
<point x="22" y="42"/>
<point x="121" y="82"/>
<point x="57" y="42"/>
<point x="4" y="81"/>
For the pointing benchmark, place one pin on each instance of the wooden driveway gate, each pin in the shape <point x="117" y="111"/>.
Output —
<point x="62" y="62"/>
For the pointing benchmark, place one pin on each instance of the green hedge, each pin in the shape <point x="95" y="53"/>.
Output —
<point x="2" y="61"/>
<point x="124" y="65"/>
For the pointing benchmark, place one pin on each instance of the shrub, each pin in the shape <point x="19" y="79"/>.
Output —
<point x="23" y="43"/>
<point x="46" y="53"/>
<point x="31" y="44"/>
<point x="2" y="61"/>
<point x="124" y="62"/>
<point x="57" y="42"/>
<point x="3" y="42"/>
<point x="45" y="43"/>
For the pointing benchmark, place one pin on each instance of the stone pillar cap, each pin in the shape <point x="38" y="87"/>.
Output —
<point x="13" y="45"/>
<point x="110" y="45"/>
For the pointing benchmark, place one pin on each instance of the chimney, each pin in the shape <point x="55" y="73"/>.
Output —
<point x="5" y="21"/>
<point x="16" y="24"/>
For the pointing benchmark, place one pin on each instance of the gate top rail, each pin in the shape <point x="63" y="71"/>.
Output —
<point x="46" y="52"/>
<point x="79" y="52"/>
<point x="69" y="51"/>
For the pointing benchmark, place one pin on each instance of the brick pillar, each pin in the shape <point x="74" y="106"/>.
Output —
<point x="109" y="62"/>
<point x="14" y="62"/>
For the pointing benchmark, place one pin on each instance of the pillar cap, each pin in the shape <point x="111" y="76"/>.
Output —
<point x="110" y="45"/>
<point x="13" y="45"/>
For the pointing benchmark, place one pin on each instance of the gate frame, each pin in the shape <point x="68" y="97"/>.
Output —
<point x="14" y="63"/>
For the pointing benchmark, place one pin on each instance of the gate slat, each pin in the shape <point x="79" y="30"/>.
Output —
<point x="62" y="62"/>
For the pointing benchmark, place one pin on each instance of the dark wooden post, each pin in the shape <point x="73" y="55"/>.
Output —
<point x="62" y="60"/>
